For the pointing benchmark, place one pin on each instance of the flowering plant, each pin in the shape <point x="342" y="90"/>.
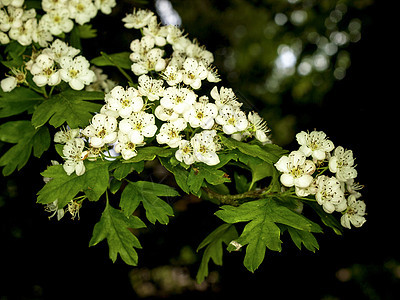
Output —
<point x="168" y="109"/>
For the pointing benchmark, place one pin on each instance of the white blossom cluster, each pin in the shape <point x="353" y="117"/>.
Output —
<point x="305" y="170"/>
<point x="20" y="24"/>
<point x="166" y="108"/>
<point x="55" y="63"/>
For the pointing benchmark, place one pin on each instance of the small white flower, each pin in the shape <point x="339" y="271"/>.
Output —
<point x="49" y="5"/>
<point x="354" y="213"/>
<point x="125" y="102"/>
<point x="201" y="114"/>
<point x="138" y="19"/>
<point x="342" y="163"/>
<point x="101" y="131"/>
<point x="172" y="75"/>
<point x="74" y="155"/>
<point x="65" y="135"/>
<point x="185" y="152"/>
<point x="151" y="61"/>
<point x="125" y="146"/>
<point x="258" y="127"/>
<point x="4" y="39"/>
<point x="57" y="21"/>
<point x="24" y="33"/>
<point x="178" y="99"/>
<point x="224" y="96"/>
<point x="199" y="53"/>
<point x="165" y="114"/>
<point x="59" y="49"/>
<point x="330" y="194"/>
<point x="156" y="32"/>
<point x="55" y="210"/>
<point x="8" y="84"/>
<point x="315" y="144"/>
<point x="170" y="133"/>
<point x="102" y="83"/>
<point x="82" y="11"/>
<point x="296" y="170"/>
<point x="151" y="88"/>
<point x="138" y="126"/>
<point x="44" y="71"/>
<point x="194" y="73"/>
<point x="205" y="148"/>
<point x="105" y="6"/>
<point x="12" y="18"/>
<point x="231" y="118"/>
<point x="76" y="72"/>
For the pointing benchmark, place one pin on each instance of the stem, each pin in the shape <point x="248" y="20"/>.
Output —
<point x="118" y="67"/>
<point x="234" y="200"/>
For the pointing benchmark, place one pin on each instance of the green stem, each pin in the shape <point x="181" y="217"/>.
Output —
<point x="106" y="56"/>
<point x="234" y="200"/>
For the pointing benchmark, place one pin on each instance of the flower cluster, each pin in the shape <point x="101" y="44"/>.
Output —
<point x="17" y="23"/>
<point x="304" y="169"/>
<point x="166" y="108"/>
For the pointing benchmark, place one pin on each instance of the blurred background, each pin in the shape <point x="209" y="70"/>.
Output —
<point x="303" y="65"/>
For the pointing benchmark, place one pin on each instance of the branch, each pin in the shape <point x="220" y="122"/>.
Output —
<point x="234" y="200"/>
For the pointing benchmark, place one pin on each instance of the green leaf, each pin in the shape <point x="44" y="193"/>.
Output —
<point x="203" y="172"/>
<point x="17" y="101"/>
<point x="26" y="139"/>
<point x="150" y="153"/>
<point x="64" y="187"/>
<point x="86" y="31"/>
<point x="268" y="153"/>
<point x="180" y="173"/>
<point x="262" y="232"/>
<point x="148" y="193"/>
<point x="328" y="219"/>
<point x="114" y="226"/>
<point x="306" y="238"/>
<point x="121" y="60"/>
<point x="72" y="107"/>
<point x="213" y="243"/>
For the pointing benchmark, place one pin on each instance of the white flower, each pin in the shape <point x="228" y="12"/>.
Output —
<point x="24" y="33"/>
<point x="65" y="135"/>
<point x="224" y="96"/>
<point x="125" y="102"/>
<point x="74" y="156"/>
<point x="354" y="213"/>
<point x="296" y="170"/>
<point x="101" y="131"/>
<point x="156" y="32"/>
<point x="172" y="75"/>
<point x="4" y="39"/>
<point x="55" y="210"/>
<point x="342" y="163"/>
<point x="8" y="84"/>
<point x="259" y="127"/>
<point x="138" y="19"/>
<point x="194" y="73"/>
<point x="151" y="88"/>
<point x="170" y="133"/>
<point x="315" y="144"/>
<point x="204" y="147"/>
<point x="138" y="126"/>
<point x="185" y="152"/>
<point x="57" y="21"/>
<point x="105" y="6"/>
<point x="178" y="99"/>
<point x="76" y="72"/>
<point x="49" y="5"/>
<point x="12" y="18"/>
<point x="165" y="114"/>
<point x="199" y="53"/>
<point x="125" y="146"/>
<point x="42" y="35"/>
<point x="59" y="49"/>
<point x="15" y="3"/>
<point x="232" y="119"/>
<point x="152" y="61"/>
<point x="201" y="114"/>
<point x="82" y="10"/>
<point x="44" y="71"/>
<point x="330" y="194"/>
<point x="102" y="83"/>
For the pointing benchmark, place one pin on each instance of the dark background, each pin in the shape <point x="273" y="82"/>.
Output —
<point x="42" y="259"/>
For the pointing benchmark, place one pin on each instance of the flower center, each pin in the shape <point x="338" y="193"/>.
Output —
<point x="73" y="73"/>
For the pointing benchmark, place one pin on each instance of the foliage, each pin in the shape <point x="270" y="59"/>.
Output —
<point x="159" y="116"/>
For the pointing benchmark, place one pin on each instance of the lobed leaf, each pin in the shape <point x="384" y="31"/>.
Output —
<point x="114" y="226"/>
<point x="17" y="101"/>
<point x="121" y="60"/>
<point x="149" y="194"/>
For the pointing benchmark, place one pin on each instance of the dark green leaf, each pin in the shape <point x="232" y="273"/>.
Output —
<point x="71" y="107"/>
<point x="93" y="183"/>
<point x="148" y="193"/>
<point x="121" y="60"/>
<point x="26" y="139"/>
<point x="213" y="243"/>
<point x="262" y="230"/>
<point x="306" y="238"/>
<point x="17" y="101"/>
<point x="114" y="226"/>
